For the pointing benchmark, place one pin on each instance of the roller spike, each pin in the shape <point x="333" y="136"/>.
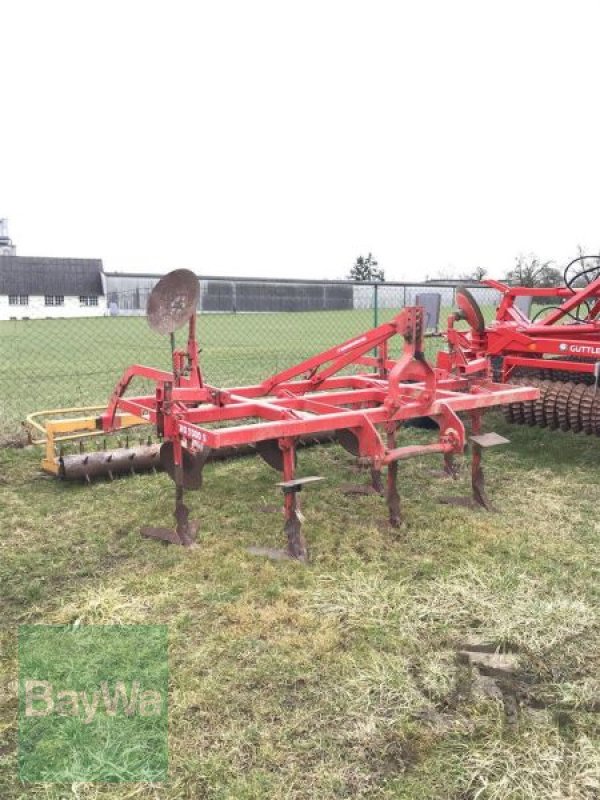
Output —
<point x="585" y="410"/>
<point x="573" y="409"/>
<point x="550" y="404"/>
<point x="538" y="405"/>
<point x="507" y="411"/>
<point x="528" y="406"/>
<point x="518" y="413"/>
<point x="596" y="414"/>
<point x="562" y="405"/>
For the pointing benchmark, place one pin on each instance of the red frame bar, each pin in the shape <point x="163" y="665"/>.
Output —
<point x="311" y="397"/>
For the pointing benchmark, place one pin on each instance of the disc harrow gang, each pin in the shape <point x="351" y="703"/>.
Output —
<point x="311" y="402"/>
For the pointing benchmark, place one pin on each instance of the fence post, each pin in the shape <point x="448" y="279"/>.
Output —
<point x="375" y="305"/>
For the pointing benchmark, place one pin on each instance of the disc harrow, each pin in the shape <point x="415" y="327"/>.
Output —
<point x="311" y="402"/>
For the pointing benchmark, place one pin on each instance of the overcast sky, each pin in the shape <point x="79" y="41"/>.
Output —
<point x="279" y="138"/>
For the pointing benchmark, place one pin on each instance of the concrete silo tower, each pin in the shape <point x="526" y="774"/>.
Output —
<point x="7" y="248"/>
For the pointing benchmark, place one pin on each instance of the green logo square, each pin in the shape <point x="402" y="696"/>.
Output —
<point x="93" y="703"/>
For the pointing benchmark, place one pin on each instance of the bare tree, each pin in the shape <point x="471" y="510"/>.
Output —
<point x="478" y="274"/>
<point x="532" y="271"/>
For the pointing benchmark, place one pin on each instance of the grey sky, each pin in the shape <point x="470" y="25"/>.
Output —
<point x="280" y="138"/>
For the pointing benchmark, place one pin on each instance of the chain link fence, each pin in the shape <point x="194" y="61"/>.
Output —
<point x="247" y="329"/>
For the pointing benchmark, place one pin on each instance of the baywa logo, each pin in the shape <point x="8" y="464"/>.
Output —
<point x="42" y="699"/>
<point x="93" y="703"/>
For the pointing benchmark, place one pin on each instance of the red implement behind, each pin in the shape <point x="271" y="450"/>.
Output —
<point x="556" y="349"/>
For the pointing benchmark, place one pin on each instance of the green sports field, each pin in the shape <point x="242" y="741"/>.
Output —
<point x="67" y="362"/>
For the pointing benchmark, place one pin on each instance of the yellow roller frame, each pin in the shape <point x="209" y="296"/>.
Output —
<point x="54" y="431"/>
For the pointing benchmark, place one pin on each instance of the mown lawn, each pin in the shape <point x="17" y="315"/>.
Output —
<point x="58" y="363"/>
<point x="339" y="679"/>
<point x="69" y="362"/>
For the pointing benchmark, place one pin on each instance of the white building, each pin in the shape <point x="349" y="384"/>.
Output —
<point x="38" y="288"/>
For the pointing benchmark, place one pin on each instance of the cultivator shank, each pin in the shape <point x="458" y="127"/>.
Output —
<point x="313" y="400"/>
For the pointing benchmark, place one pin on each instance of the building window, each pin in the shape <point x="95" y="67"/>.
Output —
<point x="18" y="299"/>
<point x="88" y="300"/>
<point x="54" y="300"/>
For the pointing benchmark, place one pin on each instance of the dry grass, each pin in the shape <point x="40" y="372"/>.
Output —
<point x="340" y="679"/>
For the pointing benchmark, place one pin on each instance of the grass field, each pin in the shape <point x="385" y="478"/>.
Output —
<point x="339" y="679"/>
<point x="58" y="363"/>
<point x="343" y="678"/>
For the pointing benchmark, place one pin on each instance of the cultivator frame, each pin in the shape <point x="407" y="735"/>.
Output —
<point x="316" y="397"/>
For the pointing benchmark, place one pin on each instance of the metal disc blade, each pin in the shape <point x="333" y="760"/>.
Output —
<point x="470" y="309"/>
<point x="173" y="301"/>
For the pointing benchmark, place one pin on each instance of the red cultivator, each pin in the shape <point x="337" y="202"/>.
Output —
<point x="363" y="410"/>
<point x="557" y="350"/>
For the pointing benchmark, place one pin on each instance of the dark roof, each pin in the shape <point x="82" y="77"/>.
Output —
<point x="59" y="276"/>
<point x="453" y="282"/>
